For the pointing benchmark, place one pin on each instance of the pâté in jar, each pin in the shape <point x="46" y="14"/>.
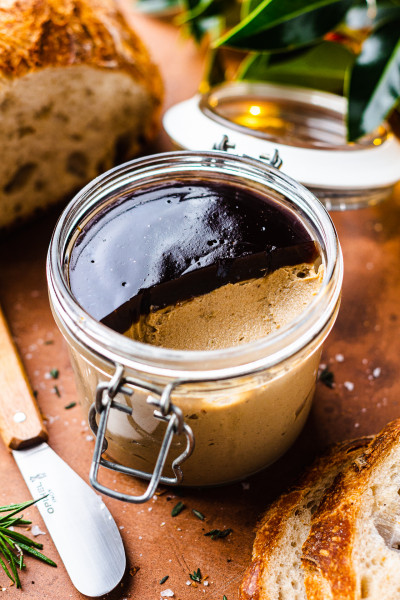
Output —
<point x="195" y="290"/>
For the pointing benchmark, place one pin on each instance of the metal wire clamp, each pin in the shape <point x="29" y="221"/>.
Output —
<point x="225" y="145"/>
<point x="165" y="411"/>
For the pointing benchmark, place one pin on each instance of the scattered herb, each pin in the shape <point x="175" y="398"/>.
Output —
<point x="224" y="597"/>
<point x="196" y="576"/>
<point x="178" y="508"/>
<point x="54" y="373"/>
<point x="70" y="405"/>
<point x="35" y="393"/>
<point x="133" y="571"/>
<point x="49" y="342"/>
<point x="198" y="514"/>
<point x="13" y="544"/>
<point x="164" y="579"/>
<point x="327" y="378"/>
<point x="57" y="391"/>
<point x="215" y="534"/>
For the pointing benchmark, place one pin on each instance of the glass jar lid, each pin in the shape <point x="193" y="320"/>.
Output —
<point x="307" y="127"/>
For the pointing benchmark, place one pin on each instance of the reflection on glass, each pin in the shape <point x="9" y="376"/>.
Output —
<point x="290" y="122"/>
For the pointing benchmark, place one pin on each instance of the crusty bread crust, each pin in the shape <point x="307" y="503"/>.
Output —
<point x="328" y="560"/>
<point x="271" y="530"/>
<point x="35" y="34"/>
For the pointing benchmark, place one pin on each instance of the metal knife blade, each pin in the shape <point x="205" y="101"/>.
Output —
<point x="83" y="530"/>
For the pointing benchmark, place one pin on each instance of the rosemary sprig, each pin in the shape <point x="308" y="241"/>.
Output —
<point x="13" y="544"/>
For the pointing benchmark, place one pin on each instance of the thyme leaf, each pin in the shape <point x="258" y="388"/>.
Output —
<point x="327" y="378"/>
<point x="216" y="534"/>
<point x="178" y="508"/>
<point x="70" y="405"/>
<point x="198" y="514"/>
<point x="196" y="576"/>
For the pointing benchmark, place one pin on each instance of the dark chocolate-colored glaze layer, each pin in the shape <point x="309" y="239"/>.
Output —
<point x="173" y="241"/>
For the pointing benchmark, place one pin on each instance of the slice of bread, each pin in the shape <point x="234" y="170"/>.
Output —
<point x="275" y="572"/>
<point x="78" y="94"/>
<point x="353" y="549"/>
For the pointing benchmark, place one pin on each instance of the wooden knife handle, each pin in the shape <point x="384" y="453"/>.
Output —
<point x="21" y="424"/>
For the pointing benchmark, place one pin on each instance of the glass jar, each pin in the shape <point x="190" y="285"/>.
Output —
<point x="225" y="413"/>
<point x="308" y="129"/>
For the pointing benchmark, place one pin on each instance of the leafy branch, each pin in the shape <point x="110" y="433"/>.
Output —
<point x="350" y="47"/>
<point x="13" y="544"/>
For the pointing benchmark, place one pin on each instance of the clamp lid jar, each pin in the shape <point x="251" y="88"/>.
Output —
<point x="307" y="127"/>
<point x="180" y="416"/>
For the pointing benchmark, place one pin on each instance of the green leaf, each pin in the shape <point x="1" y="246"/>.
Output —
<point x="208" y="18"/>
<point x="374" y="85"/>
<point x="214" y="70"/>
<point x="11" y="559"/>
<point x="320" y="67"/>
<point x="203" y="8"/>
<point x="286" y="24"/>
<point x="18" y="537"/>
<point x="37" y="554"/>
<point x="16" y="508"/>
<point x="7" y="572"/>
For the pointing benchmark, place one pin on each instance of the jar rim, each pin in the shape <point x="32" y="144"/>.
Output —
<point x="263" y="353"/>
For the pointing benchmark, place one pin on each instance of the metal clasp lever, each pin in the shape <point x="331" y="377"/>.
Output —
<point x="166" y="411"/>
<point x="224" y="145"/>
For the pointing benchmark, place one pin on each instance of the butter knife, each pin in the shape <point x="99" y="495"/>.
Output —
<point x="82" y="528"/>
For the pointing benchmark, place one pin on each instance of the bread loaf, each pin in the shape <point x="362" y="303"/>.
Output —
<point x="78" y="94"/>
<point x="276" y="572"/>
<point x="336" y="535"/>
<point x="353" y="549"/>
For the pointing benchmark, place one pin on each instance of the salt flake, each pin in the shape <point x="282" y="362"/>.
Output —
<point x="167" y="594"/>
<point x="37" y="531"/>
<point x="349" y="385"/>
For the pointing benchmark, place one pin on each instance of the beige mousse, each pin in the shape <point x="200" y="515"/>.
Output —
<point x="232" y="314"/>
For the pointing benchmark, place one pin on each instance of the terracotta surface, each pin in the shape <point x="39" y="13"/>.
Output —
<point x="365" y="397"/>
